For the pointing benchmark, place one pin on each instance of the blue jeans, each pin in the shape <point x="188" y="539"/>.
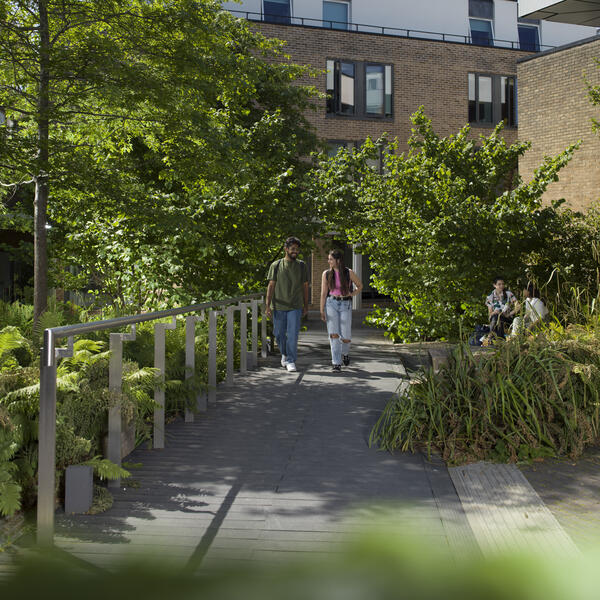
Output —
<point x="286" y="326"/>
<point x="339" y="322"/>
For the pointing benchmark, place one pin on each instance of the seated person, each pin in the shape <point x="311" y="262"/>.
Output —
<point x="535" y="310"/>
<point x="501" y="305"/>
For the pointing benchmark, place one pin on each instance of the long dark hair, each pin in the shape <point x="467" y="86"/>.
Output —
<point x="344" y="283"/>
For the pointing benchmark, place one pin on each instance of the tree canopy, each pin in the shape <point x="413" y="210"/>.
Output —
<point x="163" y="141"/>
<point x="440" y="222"/>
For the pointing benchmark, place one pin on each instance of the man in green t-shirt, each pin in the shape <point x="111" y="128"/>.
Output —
<point x="288" y="293"/>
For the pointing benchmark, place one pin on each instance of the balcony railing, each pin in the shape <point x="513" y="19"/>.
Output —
<point x="385" y="30"/>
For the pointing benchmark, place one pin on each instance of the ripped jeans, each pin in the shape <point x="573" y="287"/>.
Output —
<point x="339" y="322"/>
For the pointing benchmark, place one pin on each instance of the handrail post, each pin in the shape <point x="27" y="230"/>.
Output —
<point x="230" y="344"/>
<point x="47" y="436"/>
<point x="212" y="356"/>
<point x="263" y="330"/>
<point x="190" y="363"/>
<point x="159" y="391"/>
<point x="243" y="338"/>
<point x="254" y="354"/>
<point x="115" y="386"/>
<point x="47" y="443"/>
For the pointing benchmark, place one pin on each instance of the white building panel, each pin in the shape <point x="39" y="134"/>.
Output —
<point x="448" y="17"/>
<point x="505" y="24"/>
<point x="557" y="34"/>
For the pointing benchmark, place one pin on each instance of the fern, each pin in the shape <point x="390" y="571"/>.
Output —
<point x="10" y="339"/>
<point x="52" y="317"/>
<point x="10" y="490"/>
<point x="10" y="494"/>
<point x="106" y="469"/>
<point x="17" y="314"/>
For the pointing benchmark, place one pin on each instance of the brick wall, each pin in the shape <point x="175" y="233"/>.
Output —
<point x="554" y="111"/>
<point x="426" y="72"/>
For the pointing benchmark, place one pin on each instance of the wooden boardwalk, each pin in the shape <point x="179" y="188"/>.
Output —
<point x="279" y="467"/>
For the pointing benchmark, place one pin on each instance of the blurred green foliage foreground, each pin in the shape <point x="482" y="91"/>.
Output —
<point x="378" y="565"/>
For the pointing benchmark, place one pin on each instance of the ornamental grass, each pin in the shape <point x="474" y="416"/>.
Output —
<point x="527" y="397"/>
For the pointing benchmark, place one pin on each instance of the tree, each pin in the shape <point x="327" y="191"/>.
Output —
<point x="116" y="108"/>
<point x="439" y="222"/>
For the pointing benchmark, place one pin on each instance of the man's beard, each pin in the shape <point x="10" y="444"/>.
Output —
<point x="292" y="256"/>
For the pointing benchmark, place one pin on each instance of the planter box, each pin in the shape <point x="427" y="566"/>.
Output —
<point x="79" y="489"/>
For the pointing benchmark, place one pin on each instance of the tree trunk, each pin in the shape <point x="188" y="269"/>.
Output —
<point x="40" y="268"/>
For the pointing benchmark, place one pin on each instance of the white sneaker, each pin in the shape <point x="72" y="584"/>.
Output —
<point x="283" y="360"/>
<point x="291" y="367"/>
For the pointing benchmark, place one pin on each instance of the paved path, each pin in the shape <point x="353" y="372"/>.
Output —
<point x="280" y="466"/>
<point x="571" y="490"/>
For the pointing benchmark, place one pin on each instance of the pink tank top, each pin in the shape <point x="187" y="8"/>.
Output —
<point x="337" y="290"/>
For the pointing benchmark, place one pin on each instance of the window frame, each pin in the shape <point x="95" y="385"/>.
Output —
<point x="348" y="5"/>
<point x="473" y="13"/>
<point x="491" y="38"/>
<point x="535" y="27"/>
<point x="497" y="105"/>
<point x="280" y="20"/>
<point x="333" y="103"/>
<point x="386" y="67"/>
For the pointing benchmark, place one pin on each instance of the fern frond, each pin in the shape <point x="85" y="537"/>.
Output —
<point x="10" y="339"/>
<point x="106" y="469"/>
<point x="92" y="346"/>
<point x="10" y="497"/>
<point x="25" y="393"/>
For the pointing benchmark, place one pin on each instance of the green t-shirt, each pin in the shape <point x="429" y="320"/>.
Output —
<point x="289" y="283"/>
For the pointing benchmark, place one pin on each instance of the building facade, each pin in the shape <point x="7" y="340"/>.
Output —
<point x="380" y="60"/>
<point x="555" y="111"/>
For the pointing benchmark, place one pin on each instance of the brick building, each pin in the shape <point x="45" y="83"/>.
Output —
<point x="555" y="111"/>
<point x="382" y="59"/>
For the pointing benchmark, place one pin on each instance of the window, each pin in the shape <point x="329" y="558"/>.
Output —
<point x="480" y="99"/>
<point x="481" y="9"/>
<point x="378" y="86"/>
<point x="492" y="98"/>
<point x="335" y="15"/>
<point x="481" y="32"/>
<point x="359" y="89"/>
<point x="529" y="38"/>
<point x="340" y="87"/>
<point x="277" y="11"/>
<point x="508" y="96"/>
<point x="481" y="17"/>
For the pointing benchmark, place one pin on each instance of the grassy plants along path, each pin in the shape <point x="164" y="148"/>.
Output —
<point x="531" y="397"/>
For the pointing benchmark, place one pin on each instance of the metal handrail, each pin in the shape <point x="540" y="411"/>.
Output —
<point x="453" y="38"/>
<point x="48" y="365"/>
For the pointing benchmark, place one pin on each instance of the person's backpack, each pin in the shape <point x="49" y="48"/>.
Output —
<point x="480" y="332"/>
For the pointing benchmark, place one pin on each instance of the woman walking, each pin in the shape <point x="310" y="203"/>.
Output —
<point x="338" y="285"/>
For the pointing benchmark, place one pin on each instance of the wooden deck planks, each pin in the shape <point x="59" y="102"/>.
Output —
<point x="506" y="514"/>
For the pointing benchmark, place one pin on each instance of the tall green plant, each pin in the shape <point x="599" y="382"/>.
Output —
<point x="531" y="396"/>
<point x="439" y="222"/>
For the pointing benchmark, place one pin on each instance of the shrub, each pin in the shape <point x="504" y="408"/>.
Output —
<point x="529" y="397"/>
